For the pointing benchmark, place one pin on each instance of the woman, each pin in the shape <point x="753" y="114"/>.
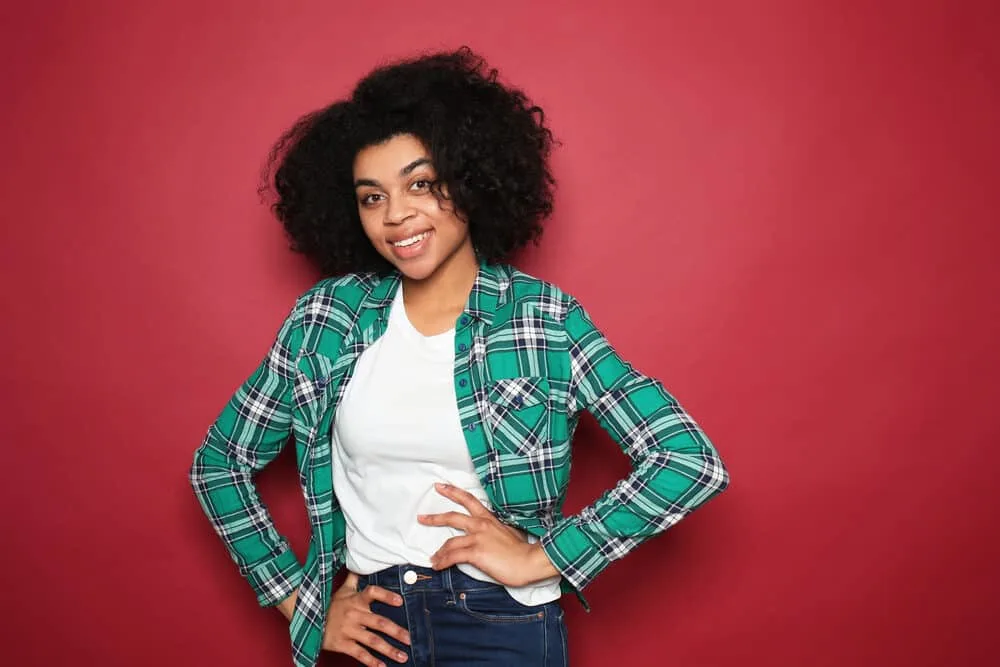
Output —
<point x="432" y="391"/>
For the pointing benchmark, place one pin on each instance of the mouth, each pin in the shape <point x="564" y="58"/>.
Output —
<point x="411" y="246"/>
<point x="412" y="240"/>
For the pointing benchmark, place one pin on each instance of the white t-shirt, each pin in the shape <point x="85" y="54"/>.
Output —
<point x="397" y="432"/>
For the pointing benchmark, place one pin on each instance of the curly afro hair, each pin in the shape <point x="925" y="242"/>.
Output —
<point x="488" y="143"/>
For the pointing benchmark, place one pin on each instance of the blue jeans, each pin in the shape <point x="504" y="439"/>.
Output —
<point x="454" y="619"/>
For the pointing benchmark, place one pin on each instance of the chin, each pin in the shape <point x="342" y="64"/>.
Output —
<point x="420" y="270"/>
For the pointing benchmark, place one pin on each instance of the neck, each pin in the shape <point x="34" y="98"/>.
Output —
<point x="448" y="288"/>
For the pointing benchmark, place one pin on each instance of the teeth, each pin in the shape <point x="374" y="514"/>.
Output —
<point x="411" y="240"/>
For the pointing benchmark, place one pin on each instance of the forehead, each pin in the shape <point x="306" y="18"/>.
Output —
<point x="384" y="160"/>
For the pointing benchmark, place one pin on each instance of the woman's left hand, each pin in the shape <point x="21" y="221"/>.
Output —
<point x="497" y="549"/>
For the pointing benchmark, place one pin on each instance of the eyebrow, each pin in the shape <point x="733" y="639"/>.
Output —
<point x="419" y="162"/>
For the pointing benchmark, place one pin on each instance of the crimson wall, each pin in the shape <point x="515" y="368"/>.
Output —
<point x="787" y="211"/>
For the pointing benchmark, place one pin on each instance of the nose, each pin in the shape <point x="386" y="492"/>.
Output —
<point x="398" y="210"/>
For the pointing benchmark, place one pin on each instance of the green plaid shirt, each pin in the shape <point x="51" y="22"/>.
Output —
<point x="528" y="359"/>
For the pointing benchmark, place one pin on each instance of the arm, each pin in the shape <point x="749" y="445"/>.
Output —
<point x="675" y="468"/>
<point x="251" y="431"/>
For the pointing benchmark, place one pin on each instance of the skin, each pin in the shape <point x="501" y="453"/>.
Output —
<point x="497" y="549"/>
<point x="396" y="201"/>
<point x="393" y="185"/>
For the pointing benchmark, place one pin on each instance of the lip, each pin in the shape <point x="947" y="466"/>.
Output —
<point x="411" y="251"/>
<point x="396" y="238"/>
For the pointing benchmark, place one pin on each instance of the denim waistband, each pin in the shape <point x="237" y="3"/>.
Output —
<point x="396" y="578"/>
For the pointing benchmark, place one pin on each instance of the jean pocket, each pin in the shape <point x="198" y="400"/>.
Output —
<point x="495" y="605"/>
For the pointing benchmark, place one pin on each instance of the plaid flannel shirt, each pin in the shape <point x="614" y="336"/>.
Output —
<point x="528" y="359"/>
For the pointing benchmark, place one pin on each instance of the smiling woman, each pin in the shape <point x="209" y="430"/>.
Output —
<point x="487" y="144"/>
<point x="411" y="224"/>
<point x="432" y="390"/>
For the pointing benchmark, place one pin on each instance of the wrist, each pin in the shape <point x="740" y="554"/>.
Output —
<point x="539" y="564"/>
<point x="287" y="606"/>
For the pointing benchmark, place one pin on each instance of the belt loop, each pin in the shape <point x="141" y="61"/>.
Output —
<point x="448" y="583"/>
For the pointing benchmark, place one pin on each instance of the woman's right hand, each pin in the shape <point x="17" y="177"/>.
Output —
<point x="350" y="624"/>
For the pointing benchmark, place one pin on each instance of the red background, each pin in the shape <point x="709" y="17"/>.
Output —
<point x="788" y="211"/>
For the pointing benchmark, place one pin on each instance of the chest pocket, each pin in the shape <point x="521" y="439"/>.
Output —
<point x="520" y="413"/>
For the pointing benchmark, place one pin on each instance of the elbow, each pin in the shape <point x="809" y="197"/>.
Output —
<point x="715" y="474"/>
<point x="196" y="474"/>
<point x="722" y="475"/>
<point x="688" y="479"/>
<point x="205" y="463"/>
<point x="695" y="477"/>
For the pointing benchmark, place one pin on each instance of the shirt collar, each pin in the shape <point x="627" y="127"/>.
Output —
<point x="383" y="292"/>
<point x="488" y="292"/>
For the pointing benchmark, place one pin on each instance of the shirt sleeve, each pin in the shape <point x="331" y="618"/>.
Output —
<point x="251" y="431"/>
<point x="675" y="467"/>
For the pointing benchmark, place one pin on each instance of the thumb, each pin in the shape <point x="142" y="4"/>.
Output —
<point x="351" y="581"/>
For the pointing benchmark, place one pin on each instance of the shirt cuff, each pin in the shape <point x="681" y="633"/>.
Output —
<point x="573" y="553"/>
<point x="276" y="579"/>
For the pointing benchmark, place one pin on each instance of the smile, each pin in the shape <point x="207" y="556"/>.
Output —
<point x="411" y="240"/>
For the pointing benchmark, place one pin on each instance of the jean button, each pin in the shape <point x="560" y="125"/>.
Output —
<point x="410" y="577"/>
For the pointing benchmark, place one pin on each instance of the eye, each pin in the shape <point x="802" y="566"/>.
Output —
<point x="370" y="199"/>
<point x="421" y="184"/>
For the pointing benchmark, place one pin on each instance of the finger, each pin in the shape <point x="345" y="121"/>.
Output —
<point x="454" y="557"/>
<point x="373" y="621"/>
<point x="358" y="652"/>
<point x="378" y="644"/>
<point x="458" y="520"/>
<point x="379" y="594"/>
<point x="457" y="542"/>
<point x="441" y="560"/>
<point x="351" y="581"/>
<point x="353" y="649"/>
<point x="463" y="498"/>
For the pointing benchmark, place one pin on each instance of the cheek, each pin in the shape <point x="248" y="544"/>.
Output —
<point x="445" y="207"/>
<point x="446" y="223"/>
<point x="370" y="226"/>
<point x="457" y="229"/>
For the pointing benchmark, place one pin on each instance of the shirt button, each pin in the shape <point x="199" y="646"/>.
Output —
<point x="472" y="426"/>
<point x="463" y="347"/>
<point x="464" y="320"/>
<point x="463" y="382"/>
<point x="410" y="577"/>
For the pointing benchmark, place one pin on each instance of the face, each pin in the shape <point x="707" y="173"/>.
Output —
<point x="416" y="231"/>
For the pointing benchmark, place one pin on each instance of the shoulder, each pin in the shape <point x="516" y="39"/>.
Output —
<point x="338" y="295"/>
<point x="527" y="291"/>
<point x="347" y="286"/>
